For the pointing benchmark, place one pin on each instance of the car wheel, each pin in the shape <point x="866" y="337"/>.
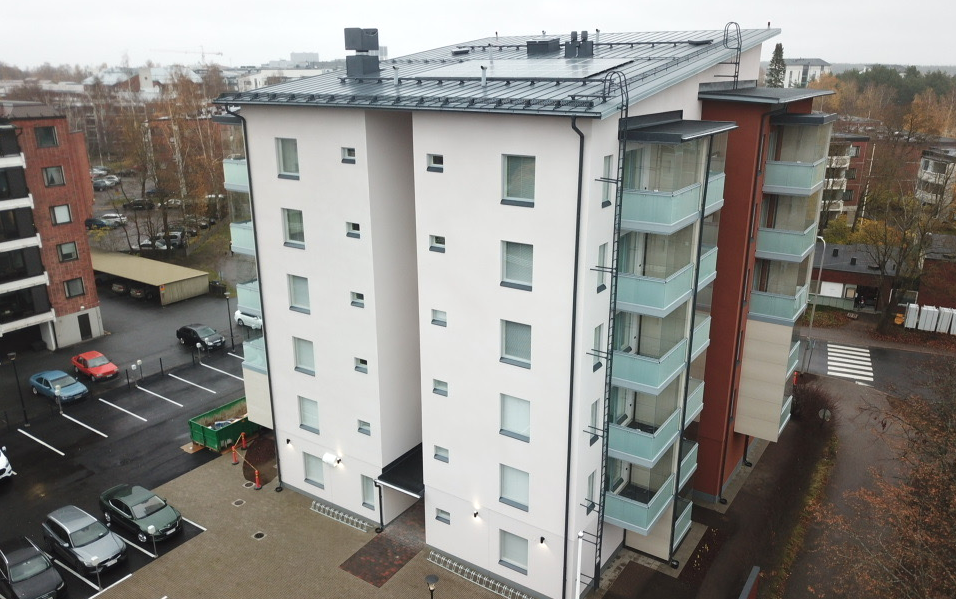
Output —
<point x="34" y="389"/>
<point x="107" y="518"/>
<point x="182" y="341"/>
<point x="141" y="537"/>
<point x="240" y="323"/>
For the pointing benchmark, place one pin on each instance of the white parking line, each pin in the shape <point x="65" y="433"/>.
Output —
<point x="121" y="409"/>
<point x="159" y="396"/>
<point x="134" y="545"/>
<point x="202" y="528"/>
<point x="223" y="372"/>
<point x="86" y="426"/>
<point x="111" y="586"/>
<point x="235" y="355"/>
<point x="191" y="383"/>
<point x="47" y="445"/>
<point x="75" y="573"/>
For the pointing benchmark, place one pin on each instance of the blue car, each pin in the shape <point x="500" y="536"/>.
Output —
<point x="45" y="383"/>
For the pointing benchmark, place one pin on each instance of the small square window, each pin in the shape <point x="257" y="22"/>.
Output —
<point x="308" y="414"/>
<point x="61" y="214"/>
<point x="74" y="287"/>
<point x="515" y="418"/>
<point x="361" y="365"/>
<point x="46" y="137"/>
<point x="358" y="299"/>
<point x="348" y="155"/>
<point x="53" y="176"/>
<point x="365" y="427"/>
<point x="436" y="243"/>
<point x="67" y="251"/>
<point x="439" y="387"/>
<point x="513" y="552"/>
<point x="314" y="470"/>
<point x="439" y="318"/>
<point x="436" y="163"/>
<point x="304" y="356"/>
<point x="287" y="157"/>
<point x="515" y="487"/>
<point x="442" y="516"/>
<point x="293" y="228"/>
<point x="299" y="294"/>
<point x="516" y="344"/>
<point x="441" y="454"/>
<point x="517" y="265"/>
<point x="518" y="184"/>
<point x="353" y="230"/>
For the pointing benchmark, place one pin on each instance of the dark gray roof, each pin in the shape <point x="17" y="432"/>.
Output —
<point x="942" y="247"/>
<point x="849" y="258"/>
<point x="763" y="95"/>
<point x="449" y="78"/>
<point x="28" y="110"/>
<point x="813" y="62"/>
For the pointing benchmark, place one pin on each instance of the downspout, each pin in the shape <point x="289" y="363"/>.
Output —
<point x="265" y="342"/>
<point x="381" y="508"/>
<point x="574" y="315"/>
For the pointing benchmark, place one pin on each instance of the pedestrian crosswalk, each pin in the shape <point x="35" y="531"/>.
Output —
<point x="849" y="362"/>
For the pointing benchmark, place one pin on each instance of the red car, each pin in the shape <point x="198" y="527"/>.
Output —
<point x="94" y="365"/>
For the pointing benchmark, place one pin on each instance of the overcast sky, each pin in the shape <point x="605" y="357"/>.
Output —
<point x="249" y="32"/>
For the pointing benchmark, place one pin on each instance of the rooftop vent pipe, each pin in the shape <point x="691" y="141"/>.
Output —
<point x="576" y="49"/>
<point x="484" y="75"/>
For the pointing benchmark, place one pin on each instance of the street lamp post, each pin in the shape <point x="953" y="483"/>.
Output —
<point x="152" y="533"/>
<point x="232" y="340"/>
<point x="12" y="356"/>
<point x="816" y="298"/>
<point x="431" y="580"/>
<point x="96" y="562"/>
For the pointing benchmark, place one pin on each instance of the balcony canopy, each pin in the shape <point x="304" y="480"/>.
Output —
<point x="406" y="474"/>
<point x="670" y="128"/>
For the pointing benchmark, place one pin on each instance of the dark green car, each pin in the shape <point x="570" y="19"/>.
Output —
<point x="136" y="509"/>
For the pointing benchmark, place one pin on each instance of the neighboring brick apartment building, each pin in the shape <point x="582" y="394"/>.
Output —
<point x="47" y="291"/>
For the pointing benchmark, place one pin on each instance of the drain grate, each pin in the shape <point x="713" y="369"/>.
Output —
<point x="248" y="484"/>
<point x="259" y="535"/>
<point x="238" y="502"/>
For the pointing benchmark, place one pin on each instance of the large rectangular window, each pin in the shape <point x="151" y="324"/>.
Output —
<point x="67" y="251"/>
<point x="60" y="215"/>
<point x="304" y="356"/>
<point x="606" y="184"/>
<point x="518" y="181"/>
<point x="74" y="287"/>
<point x="299" y="294"/>
<point x="517" y="265"/>
<point x="53" y="176"/>
<point x="513" y="552"/>
<point x="515" y="418"/>
<point x="287" y="155"/>
<point x="514" y="487"/>
<point x="597" y="349"/>
<point x="602" y="268"/>
<point x="368" y="493"/>
<point x="308" y="414"/>
<point x="314" y="470"/>
<point x="46" y="137"/>
<point x="516" y="344"/>
<point x="293" y="228"/>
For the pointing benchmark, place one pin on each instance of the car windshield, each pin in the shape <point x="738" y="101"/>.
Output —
<point x="64" y="381"/>
<point x="29" y="568"/>
<point x="205" y="331"/>
<point x="97" y="361"/>
<point x="147" y="507"/>
<point x="89" y="533"/>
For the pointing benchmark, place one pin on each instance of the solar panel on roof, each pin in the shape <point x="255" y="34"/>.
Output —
<point x="538" y="68"/>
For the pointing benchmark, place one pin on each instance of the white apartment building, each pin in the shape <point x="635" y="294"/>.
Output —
<point x="484" y="272"/>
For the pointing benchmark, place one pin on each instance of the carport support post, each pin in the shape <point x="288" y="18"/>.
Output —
<point x="12" y="356"/>
<point x="232" y="340"/>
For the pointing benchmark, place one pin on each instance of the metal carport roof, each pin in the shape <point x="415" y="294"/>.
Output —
<point x="144" y="270"/>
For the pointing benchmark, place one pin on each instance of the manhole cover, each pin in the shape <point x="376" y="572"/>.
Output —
<point x="238" y="502"/>
<point x="259" y="535"/>
<point x="248" y="484"/>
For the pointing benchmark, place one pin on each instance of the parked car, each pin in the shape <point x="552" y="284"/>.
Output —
<point x="173" y="239"/>
<point x="113" y="179"/>
<point x="120" y="287"/>
<point x="244" y="319"/>
<point x="172" y="203"/>
<point x="94" y="365"/>
<point x="155" y="243"/>
<point x="101" y="168"/>
<point x="99" y="223"/>
<point x="98" y="171"/>
<point x="101" y="185"/>
<point x="142" y="291"/>
<point x="136" y="509"/>
<point x="208" y="337"/>
<point x="45" y="383"/>
<point x="114" y="218"/>
<point x="139" y="204"/>
<point x="82" y="541"/>
<point x="27" y="573"/>
<point x="126" y="172"/>
<point x="156" y="193"/>
<point x="198" y="221"/>
<point x="6" y="469"/>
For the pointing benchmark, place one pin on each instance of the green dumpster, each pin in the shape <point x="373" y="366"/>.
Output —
<point x="220" y="428"/>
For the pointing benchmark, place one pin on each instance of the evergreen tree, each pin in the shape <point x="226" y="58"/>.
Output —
<point x="777" y="68"/>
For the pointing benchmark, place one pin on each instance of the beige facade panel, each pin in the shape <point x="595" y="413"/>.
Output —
<point x="257" y="397"/>
<point x="763" y="380"/>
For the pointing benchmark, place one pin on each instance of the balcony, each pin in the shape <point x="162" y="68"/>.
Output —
<point x="236" y="175"/>
<point x="701" y="334"/>
<point x="243" y="238"/>
<point x="254" y="355"/>
<point x="22" y="320"/>
<point x="784" y="309"/>
<point x="838" y="161"/>
<point x="660" y="211"/>
<point x="785" y="413"/>
<point x="643" y="444"/>
<point x="787" y="246"/>
<point x="19" y="202"/>
<point x="647" y="374"/>
<point x="688" y="463"/>
<point x="695" y="401"/>
<point x="682" y="526"/>
<point x="24" y="283"/>
<point x="793" y="359"/>
<point x="834" y="184"/>
<point x="13" y="160"/>
<point x="636" y="508"/>
<point x="794" y="178"/>
<point x="247" y="297"/>
<point x="715" y="194"/>
<point x="707" y="271"/>
<point x="656" y="297"/>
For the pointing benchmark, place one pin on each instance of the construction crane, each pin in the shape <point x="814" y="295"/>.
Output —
<point x="202" y="52"/>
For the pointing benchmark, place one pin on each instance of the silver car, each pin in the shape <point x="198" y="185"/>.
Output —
<point x="82" y="540"/>
<point x="6" y="469"/>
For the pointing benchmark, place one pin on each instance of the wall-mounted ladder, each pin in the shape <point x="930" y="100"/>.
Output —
<point x="733" y="41"/>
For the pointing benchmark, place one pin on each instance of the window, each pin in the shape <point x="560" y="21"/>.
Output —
<point x="439" y="318"/>
<point x="518" y="181"/>
<point x="441" y="454"/>
<point x="513" y="552"/>
<point x="361" y="365"/>
<point x="61" y="214"/>
<point x="516" y="265"/>
<point x="348" y="155"/>
<point x="589" y="492"/>
<point x="593" y="422"/>
<point x="602" y="268"/>
<point x="74" y="287"/>
<point x="53" y="176"/>
<point x="299" y="294"/>
<point x="46" y="137"/>
<point x="515" y="418"/>
<point x="436" y="163"/>
<point x="439" y="387"/>
<point x="353" y="230"/>
<point x="514" y="487"/>
<point x="294" y="230"/>
<point x="358" y="299"/>
<point x="851" y="174"/>
<point x="436" y="243"/>
<point x="848" y="195"/>
<point x="596" y="349"/>
<point x="854" y="151"/>
<point x="442" y="516"/>
<point x="308" y="414"/>
<point x="368" y="493"/>
<point x="365" y="427"/>
<point x="304" y="356"/>
<point x="516" y="344"/>
<point x="314" y="470"/>
<point x="67" y="251"/>
<point x="606" y="184"/>
<point x="287" y="154"/>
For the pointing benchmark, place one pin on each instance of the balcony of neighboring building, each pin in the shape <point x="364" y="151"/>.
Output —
<point x="25" y="306"/>
<point x="248" y="299"/>
<point x="255" y="380"/>
<point x="241" y="229"/>
<point x="701" y="341"/>
<point x="794" y="178"/>
<point x="649" y="352"/>
<point x="799" y="154"/>
<point x="236" y="174"/>
<point x="707" y="271"/>
<point x="714" y="198"/>
<point x="688" y="461"/>
<point x="779" y="306"/>
<point x="644" y="426"/>
<point x="766" y="381"/>
<point x="655" y="272"/>
<point x="637" y="502"/>
<point x="10" y="154"/>
<point x="837" y="184"/>
<point x="787" y="245"/>
<point x="17" y="230"/>
<point x="838" y="161"/>
<point x="13" y="190"/>
<point x="21" y="269"/>
<point x="682" y="526"/>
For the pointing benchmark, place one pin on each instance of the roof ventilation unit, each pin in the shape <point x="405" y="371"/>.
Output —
<point x="362" y="41"/>
<point x="579" y="49"/>
<point x="539" y="47"/>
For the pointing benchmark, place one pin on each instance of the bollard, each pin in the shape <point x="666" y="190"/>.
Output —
<point x="258" y="484"/>
<point x="235" y="456"/>
<point x="242" y="439"/>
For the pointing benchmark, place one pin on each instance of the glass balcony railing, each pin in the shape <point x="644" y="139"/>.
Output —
<point x="785" y="413"/>
<point x="236" y="175"/>
<point x="780" y="307"/>
<point x="659" y="211"/>
<point x="793" y="359"/>
<point x="715" y="193"/>
<point x="646" y="374"/>
<point x="682" y="526"/>
<point x="243" y="238"/>
<point x="695" y="401"/>
<point x="641" y="513"/>
<point x="780" y="244"/>
<point x="708" y="266"/>
<point x="688" y="464"/>
<point x="794" y="178"/>
<point x="642" y="447"/>
<point x="660" y="295"/>
<point x="701" y="334"/>
<point x="247" y="297"/>
<point x="254" y="355"/>
<point x="838" y="161"/>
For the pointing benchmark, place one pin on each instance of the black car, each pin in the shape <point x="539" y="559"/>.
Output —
<point x="99" y="223"/>
<point x="205" y="335"/>
<point x="142" y="512"/>
<point x="26" y="572"/>
<point x="101" y="185"/>
<point x="138" y="204"/>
